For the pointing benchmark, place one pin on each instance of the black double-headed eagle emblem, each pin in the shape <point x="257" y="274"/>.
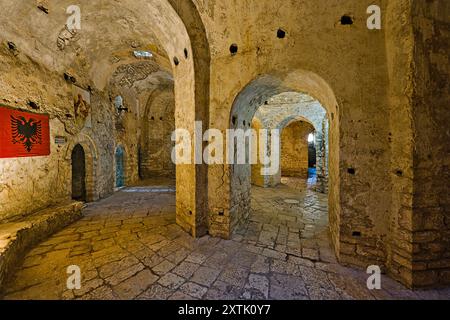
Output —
<point x="28" y="133"/>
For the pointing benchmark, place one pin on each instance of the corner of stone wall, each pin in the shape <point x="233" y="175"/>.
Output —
<point x="17" y="237"/>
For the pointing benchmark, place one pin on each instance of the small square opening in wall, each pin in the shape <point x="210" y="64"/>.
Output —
<point x="351" y="171"/>
<point x="356" y="234"/>
<point x="281" y="34"/>
<point x="346" y="20"/>
<point x="234" y="49"/>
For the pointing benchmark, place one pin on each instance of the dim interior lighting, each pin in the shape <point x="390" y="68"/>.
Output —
<point x="311" y="138"/>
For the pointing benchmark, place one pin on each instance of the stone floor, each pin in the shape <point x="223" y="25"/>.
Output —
<point x="129" y="247"/>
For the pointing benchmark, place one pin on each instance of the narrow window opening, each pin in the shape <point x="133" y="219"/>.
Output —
<point x="234" y="49"/>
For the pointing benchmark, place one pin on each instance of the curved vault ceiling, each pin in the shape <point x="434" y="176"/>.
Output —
<point x="287" y="107"/>
<point x="110" y="32"/>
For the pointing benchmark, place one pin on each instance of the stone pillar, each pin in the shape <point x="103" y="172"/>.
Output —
<point x="295" y="148"/>
<point x="258" y="179"/>
<point x="321" y="144"/>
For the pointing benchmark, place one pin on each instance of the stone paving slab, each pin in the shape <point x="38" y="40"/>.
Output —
<point x="129" y="247"/>
<point x="18" y="236"/>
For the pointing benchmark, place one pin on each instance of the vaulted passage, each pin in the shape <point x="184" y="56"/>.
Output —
<point x="224" y="149"/>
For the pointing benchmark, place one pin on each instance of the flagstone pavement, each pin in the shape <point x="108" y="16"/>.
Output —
<point x="129" y="247"/>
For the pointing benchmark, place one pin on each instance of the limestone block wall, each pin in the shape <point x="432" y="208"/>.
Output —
<point x="294" y="149"/>
<point x="418" y="232"/>
<point x="431" y="203"/>
<point x="30" y="184"/>
<point x="359" y="182"/>
<point x="284" y="109"/>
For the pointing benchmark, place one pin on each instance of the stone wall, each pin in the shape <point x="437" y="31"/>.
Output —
<point x="257" y="178"/>
<point x="31" y="184"/>
<point x="280" y="111"/>
<point x="266" y="65"/>
<point x="431" y="203"/>
<point x="385" y="93"/>
<point x="156" y="141"/>
<point x="145" y="128"/>
<point x="419" y="247"/>
<point x="110" y="33"/>
<point x="294" y="149"/>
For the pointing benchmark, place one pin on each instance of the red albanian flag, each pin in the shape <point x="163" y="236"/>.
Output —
<point x="23" y="134"/>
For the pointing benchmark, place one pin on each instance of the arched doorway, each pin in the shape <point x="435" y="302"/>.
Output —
<point x="78" y="173"/>
<point x="120" y="167"/>
<point x="264" y="91"/>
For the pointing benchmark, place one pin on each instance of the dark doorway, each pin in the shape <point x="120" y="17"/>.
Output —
<point x="78" y="174"/>
<point x="120" y="175"/>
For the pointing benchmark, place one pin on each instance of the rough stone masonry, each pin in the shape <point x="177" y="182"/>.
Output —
<point x="116" y="78"/>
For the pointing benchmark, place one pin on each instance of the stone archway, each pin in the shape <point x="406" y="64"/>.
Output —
<point x="321" y="146"/>
<point x="244" y="108"/>
<point x="78" y="173"/>
<point x="170" y="28"/>
<point x="90" y="156"/>
<point x="283" y="109"/>
<point x="182" y="34"/>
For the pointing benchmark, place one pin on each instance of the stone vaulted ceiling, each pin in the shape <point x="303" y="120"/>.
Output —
<point x="110" y="32"/>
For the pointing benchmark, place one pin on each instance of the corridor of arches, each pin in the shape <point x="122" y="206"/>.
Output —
<point x="357" y="178"/>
